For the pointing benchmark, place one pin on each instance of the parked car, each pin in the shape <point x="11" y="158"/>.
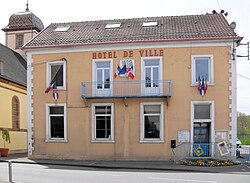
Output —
<point x="238" y="143"/>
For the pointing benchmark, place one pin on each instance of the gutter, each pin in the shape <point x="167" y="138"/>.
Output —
<point x="25" y="47"/>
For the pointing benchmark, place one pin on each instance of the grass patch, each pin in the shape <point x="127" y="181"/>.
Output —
<point x="245" y="141"/>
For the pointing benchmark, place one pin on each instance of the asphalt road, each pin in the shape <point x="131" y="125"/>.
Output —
<point x="27" y="173"/>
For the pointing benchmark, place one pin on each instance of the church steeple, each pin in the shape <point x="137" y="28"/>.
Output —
<point x="21" y="28"/>
<point x="27" y="6"/>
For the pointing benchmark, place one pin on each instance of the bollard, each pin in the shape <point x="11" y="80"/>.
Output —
<point x="10" y="171"/>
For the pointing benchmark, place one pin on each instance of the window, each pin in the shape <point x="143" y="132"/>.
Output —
<point x="202" y="111"/>
<point x="149" y="24"/>
<point x="202" y="68"/>
<point x="102" y="77"/>
<point x="56" y="73"/>
<point x="103" y="123"/>
<point x="56" y="122"/>
<point x="19" y="40"/>
<point x="15" y="113"/>
<point x="113" y="25"/>
<point x="62" y="28"/>
<point x="151" y="122"/>
<point x="152" y="75"/>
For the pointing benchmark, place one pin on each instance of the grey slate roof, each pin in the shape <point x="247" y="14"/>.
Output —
<point x="169" y="28"/>
<point x="14" y="66"/>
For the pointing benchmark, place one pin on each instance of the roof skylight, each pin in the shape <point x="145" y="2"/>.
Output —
<point x="62" y="28"/>
<point x="149" y="24"/>
<point x="113" y="25"/>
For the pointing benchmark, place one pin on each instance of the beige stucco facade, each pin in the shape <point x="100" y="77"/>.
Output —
<point x="18" y="137"/>
<point x="127" y="143"/>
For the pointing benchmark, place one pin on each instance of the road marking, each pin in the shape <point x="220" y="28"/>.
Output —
<point x="184" y="180"/>
<point x="92" y="163"/>
<point x="247" y="166"/>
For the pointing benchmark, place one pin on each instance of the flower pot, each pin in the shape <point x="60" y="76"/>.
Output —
<point x="4" y="152"/>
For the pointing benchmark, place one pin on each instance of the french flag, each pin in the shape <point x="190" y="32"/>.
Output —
<point x="129" y="72"/>
<point x="52" y="83"/>
<point x="55" y="95"/>
<point x="120" y="71"/>
<point x="202" y="86"/>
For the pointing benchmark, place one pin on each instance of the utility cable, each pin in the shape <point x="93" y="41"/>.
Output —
<point x="243" y="77"/>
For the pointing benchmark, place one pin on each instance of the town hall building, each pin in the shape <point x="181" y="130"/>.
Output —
<point x="132" y="89"/>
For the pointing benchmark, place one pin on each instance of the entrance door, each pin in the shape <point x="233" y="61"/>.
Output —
<point x="201" y="147"/>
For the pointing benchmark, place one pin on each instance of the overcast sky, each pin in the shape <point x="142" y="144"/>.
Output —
<point x="55" y="11"/>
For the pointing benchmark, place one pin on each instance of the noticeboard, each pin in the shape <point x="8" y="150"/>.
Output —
<point x="183" y="136"/>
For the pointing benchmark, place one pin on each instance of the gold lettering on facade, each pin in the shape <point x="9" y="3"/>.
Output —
<point x="151" y="53"/>
<point x="101" y="55"/>
<point x="128" y="54"/>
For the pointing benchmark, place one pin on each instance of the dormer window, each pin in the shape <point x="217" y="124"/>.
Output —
<point x="113" y="25"/>
<point x="62" y="28"/>
<point x="149" y="24"/>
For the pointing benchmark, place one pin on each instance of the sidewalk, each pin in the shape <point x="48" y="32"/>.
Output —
<point x="136" y="165"/>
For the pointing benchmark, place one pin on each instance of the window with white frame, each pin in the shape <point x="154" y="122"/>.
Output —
<point x="202" y="111"/>
<point x="56" y="122"/>
<point x="103" y="122"/>
<point x="151" y="121"/>
<point x="56" y="74"/>
<point x="202" y="68"/>
<point x="151" y="75"/>
<point x="102" y="72"/>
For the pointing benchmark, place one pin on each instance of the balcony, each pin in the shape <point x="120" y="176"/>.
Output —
<point x="126" y="89"/>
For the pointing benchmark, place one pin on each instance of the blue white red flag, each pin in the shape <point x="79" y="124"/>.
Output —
<point x="55" y="95"/>
<point x="130" y="71"/>
<point x="202" y="86"/>
<point x="120" y="71"/>
<point x="51" y="85"/>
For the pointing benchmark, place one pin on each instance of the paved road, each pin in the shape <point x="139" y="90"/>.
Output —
<point x="27" y="173"/>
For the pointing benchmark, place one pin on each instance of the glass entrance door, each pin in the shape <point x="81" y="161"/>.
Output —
<point x="201" y="146"/>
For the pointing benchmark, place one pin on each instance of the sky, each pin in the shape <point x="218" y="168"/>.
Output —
<point x="59" y="11"/>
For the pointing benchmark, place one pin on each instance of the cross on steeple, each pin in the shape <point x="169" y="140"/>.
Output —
<point x="27" y="6"/>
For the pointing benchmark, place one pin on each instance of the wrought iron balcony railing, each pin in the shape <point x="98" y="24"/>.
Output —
<point x="126" y="89"/>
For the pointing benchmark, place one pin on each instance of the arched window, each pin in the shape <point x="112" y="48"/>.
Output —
<point x="15" y="113"/>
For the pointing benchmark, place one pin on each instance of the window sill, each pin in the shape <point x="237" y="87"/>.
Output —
<point x="56" y="141"/>
<point x="60" y="89"/>
<point x="103" y="141"/>
<point x="151" y="141"/>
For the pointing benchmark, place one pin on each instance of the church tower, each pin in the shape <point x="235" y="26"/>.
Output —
<point x="22" y="27"/>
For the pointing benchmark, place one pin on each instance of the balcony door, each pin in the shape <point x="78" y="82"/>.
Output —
<point x="151" y="76"/>
<point x="102" y="78"/>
